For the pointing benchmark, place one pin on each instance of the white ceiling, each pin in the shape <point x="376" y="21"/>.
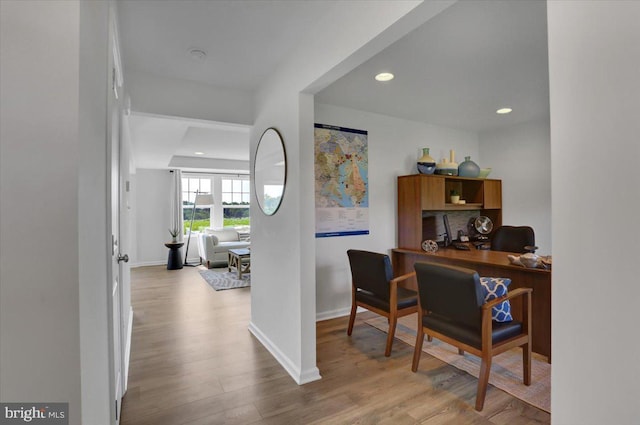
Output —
<point x="454" y="71"/>
<point x="459" y="68"/>
<point x="244" y="40"/>
<point x="159" y="142"/>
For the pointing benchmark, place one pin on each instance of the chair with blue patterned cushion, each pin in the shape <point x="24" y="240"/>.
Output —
<point x="452" y="308"/>
<point x="373" y="287"/>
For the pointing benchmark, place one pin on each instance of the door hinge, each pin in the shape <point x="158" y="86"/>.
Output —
<point x="116" y="409"/>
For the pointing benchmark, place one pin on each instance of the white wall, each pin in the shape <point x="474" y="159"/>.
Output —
<point x="40" y="347"/>
<point x="283" y="261"/>
<point x="521" y="157"/>
<point x="153" y="219"/>
<point x="594" y="58"/>
<point x="394" y="147"/>
<point x="94" y="252"/>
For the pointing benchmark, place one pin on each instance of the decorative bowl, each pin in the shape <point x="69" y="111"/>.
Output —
<point x="484" y="173"/>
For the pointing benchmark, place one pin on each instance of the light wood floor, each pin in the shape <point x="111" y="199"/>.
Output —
<point x="194" y="362"/>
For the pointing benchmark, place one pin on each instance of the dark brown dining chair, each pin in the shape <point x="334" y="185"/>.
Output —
<point x="452" y="308"/>
<point x="373" y="287"/>
<point x="519" y="239"/>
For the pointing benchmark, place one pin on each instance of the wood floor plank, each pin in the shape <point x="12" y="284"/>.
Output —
<point x="194" y="362"/>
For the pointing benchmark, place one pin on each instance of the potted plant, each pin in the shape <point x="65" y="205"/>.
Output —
<point x="455" y="196"/>
<point x="174" y="234"/>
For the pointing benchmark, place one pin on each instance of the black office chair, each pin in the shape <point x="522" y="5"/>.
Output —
<point x="374" y="288"/>
<point x="519" y="239"/>
<point x="452" y="309"/>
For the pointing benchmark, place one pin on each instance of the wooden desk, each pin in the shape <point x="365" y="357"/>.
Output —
<point x="494" y="264"/>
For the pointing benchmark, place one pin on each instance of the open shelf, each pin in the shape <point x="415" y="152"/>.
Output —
<point x="463" y="207"/>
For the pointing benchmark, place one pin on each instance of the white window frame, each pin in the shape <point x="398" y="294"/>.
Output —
<point x="234" y="177"/>
<point x="186" y="176"/>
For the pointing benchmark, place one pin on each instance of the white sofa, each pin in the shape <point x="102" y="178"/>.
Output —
<point x="214" y="245"/>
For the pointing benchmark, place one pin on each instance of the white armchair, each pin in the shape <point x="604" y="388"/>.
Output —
<point x="214" y="245"/>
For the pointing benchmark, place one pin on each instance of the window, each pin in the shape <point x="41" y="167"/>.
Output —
<point x="202" y="216"/>
<point x="236" y="193"/>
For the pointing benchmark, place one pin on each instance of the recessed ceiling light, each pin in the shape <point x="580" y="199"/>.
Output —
<point x="503" y="111"/>
<point x="198" y="55"/>
<point x="199" y="153"/>
<point x="384" y="76"/>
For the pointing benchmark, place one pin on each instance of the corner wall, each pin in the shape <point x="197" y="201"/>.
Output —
<point x="39" y="174"/>
<point x="283" y="307"/>
<point x="152" y="216"/>
<point x="594" y="58"/>
<point x="521" y="157"/>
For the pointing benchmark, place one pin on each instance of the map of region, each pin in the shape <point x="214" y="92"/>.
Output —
<point x="341" y="168"/>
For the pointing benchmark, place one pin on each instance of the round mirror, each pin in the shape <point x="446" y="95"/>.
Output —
<point x="270" y="171"/>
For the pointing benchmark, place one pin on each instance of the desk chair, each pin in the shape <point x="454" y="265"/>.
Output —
<point x="373" y="287"/>
<point x="452" y="309"/>
<point x="519" y="239"/>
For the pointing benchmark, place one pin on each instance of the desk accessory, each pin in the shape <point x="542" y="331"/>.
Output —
<point x="479" y="227"/>
<point x="430" y="246"/>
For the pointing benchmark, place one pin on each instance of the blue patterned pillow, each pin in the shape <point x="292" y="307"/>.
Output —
<point x="496" y="287"/>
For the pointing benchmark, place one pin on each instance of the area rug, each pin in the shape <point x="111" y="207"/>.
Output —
<point x="223" y="279"/>
<point x="506" y="368"/>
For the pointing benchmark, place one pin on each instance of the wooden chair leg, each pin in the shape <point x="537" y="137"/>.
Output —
<point x="429" y="338"/>
<point x="483" y="381"/>
<point x="352" y="318"/>
<point x="393" y="319"/>
<point x="461" y="351"/>
<point x="417" y="351"/>
<point x="526" y="364"/>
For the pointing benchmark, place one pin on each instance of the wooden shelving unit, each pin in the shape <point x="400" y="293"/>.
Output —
<point x="421" y="193"/>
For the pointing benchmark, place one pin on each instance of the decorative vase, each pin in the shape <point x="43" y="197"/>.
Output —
<point x="468" y="168"/>
<point x="448" y="168"/>
<point x="426" y="164"/>
<point x="455" y="199"/>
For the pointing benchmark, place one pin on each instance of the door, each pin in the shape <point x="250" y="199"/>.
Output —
<point x="118" y="257"/>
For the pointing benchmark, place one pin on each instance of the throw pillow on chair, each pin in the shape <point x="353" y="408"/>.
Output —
<point x="496" y="287"/>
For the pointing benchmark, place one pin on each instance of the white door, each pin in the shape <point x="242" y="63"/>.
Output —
<point x="118" y="258"/>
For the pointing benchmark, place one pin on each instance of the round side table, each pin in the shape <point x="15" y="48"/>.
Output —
<point x="174" y="262"/>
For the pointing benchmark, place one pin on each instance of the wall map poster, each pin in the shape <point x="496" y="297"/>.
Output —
<point x="342" y="185"/>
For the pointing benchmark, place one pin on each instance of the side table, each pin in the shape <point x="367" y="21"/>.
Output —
<point x="240" y="259"/>
<point x="174" y="262"/>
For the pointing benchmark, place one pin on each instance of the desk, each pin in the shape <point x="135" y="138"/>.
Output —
<point x="494" y="264"/>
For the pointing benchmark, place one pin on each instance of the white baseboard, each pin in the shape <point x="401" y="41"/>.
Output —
<point x="127" y="350"/>
<point x="341" y="312"/>
<point x="160" y="262"/>
<point x="148" y="263"/>
<point x="301" y="377"/>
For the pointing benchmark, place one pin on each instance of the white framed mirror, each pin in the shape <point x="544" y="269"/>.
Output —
<point x="270" y="171"/>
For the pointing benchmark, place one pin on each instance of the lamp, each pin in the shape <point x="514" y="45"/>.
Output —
<point x="201" y="199"/>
